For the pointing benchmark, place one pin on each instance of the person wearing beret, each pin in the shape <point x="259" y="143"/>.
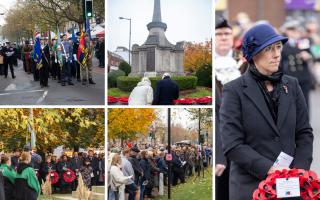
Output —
<point x="263" y="113"/>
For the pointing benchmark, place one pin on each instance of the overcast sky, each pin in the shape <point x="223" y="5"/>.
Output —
<point x="188" y="20"/>
<point x="4" y="6"/>
<point x="178" y="116"/>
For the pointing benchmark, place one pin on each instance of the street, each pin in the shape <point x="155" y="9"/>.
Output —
<point x="23" y="90"/>
<point x="315" y="123"/>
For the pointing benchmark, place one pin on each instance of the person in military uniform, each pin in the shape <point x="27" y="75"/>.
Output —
<point x="8" y="60"/>
<point x="55" y="67"/>
<point x="296" y="58"/>
<point x="26" y="52"/>
<point x="44" y="70"/>
<point x="87" y="73"/>
<point x="75" y="53"/>
<point x="66" y="50"/>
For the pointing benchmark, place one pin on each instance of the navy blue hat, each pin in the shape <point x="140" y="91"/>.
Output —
<point x="258" y="38"/>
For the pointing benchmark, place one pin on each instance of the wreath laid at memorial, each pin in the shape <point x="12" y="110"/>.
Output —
<point x="69" y="176"/>
<point x="54" y="176"/>
<point x="184" y="101"/>
<point x="309" y="185"/>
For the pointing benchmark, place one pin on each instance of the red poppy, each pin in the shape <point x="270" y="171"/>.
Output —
<point x="185" y="101"/>
<point x="54" y="176"/>
<point x="69" y="176"/>
<point x="112" y="100"/>
<point x="203" y="100"/>
<point x="123" y="100"/>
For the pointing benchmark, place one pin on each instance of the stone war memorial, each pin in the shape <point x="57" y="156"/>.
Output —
<point x="185" y="55"/>
<point x="157" y="54"/>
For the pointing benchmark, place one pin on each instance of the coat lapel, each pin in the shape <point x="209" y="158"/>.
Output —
<point x="285" y="102"/>
<point x="252" y="91"/>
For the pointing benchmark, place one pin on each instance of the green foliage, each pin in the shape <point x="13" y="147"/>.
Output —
<point x="112" y="77"/>
<point x="204" y="74"/>
<point x="128" y="83"/>
<point x="124" y="66"/>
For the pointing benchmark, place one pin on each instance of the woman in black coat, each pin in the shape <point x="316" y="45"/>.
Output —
<point x="263" y="113"/>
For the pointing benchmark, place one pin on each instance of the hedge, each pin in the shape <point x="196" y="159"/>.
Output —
<point x="112" y="77"/>
<point x="204" y="75"/>
<point x="124" y="66"/>
<point x="127" y="84"/>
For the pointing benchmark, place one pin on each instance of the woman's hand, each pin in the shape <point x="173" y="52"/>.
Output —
<point x="220" y="169"/>
<point x="274" y="169"/>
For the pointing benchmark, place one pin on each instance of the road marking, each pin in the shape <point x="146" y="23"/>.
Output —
<point x="31" y="91"/>
<point x="43" y="97"/>
<point x="12" y="86"/>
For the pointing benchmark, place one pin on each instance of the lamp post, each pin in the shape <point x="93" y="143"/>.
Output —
<point x="129" y="19"/>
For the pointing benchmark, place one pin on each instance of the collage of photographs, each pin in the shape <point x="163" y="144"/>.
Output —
<point x="142" y="111"/>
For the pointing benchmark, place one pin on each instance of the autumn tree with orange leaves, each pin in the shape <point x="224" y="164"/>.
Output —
<point x="128" y="123"/>
<point x="197" y="55"/>
<point x="71" y="127"/>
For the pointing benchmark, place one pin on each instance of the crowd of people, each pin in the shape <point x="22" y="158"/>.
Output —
<point x="264" y="76"/>
<point x="23" y="173"/>
<point x="134" y="171"/>
<point x="59" y="61"/>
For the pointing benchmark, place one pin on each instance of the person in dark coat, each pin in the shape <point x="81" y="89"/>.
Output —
<point x="146" y="181"/>
<point x="167" y="90"/>
<point x="86" y="172"/>
<point x="63" y="166"/>
<point x="27" y="186"/>
<point x="44" y="70"/>
<point x="95" y="167"/>
<point x="8" y="60"/>
<point x="177" y="168"/>
<point x="46" y="167"/>
<point x="9" y="176"/>
<point x="295" y="59"/>
<point x="138" y="171"/>
<point x="75" y="165"/>
<point x="263" y="113"/>
<point x="15" y="158"/>
<point x="2" y="193"/>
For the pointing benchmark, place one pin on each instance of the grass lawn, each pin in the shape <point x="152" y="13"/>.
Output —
<point x="201" y="188"/>
<point x="199" y="92"/>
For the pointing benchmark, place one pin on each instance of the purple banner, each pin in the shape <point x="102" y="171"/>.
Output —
<point x="300" y="4"/>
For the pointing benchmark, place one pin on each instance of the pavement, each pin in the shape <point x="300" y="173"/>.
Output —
<point x="315" y="123"/>
<point x="23" y="90"/>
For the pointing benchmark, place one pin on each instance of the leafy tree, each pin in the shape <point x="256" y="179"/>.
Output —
<point x="197" y="55"/>
<point x="129" y="123"/>
<point x="72" y="127"/>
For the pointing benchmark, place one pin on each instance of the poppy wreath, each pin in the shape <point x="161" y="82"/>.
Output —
<point x="123" y="100"/>
<point x="309" y="185"/>
<point x="204" y="100"/>
<point x="185" y="101"/>
<point x="69" y="176"/>
<point x="112" y="100"/>
<point x="54" y="176"/>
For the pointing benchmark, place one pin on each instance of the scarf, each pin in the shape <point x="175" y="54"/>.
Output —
<point x="271" y="97"/>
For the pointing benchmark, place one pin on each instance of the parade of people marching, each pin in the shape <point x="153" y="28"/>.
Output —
<point x="64" y="58"/>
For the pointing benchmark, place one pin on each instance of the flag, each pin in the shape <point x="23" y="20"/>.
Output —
<point x="59" y="39"/>
<point x="81" y="51"/>
<point x="37" y="51"/>
<point x="74" y="39"/>
<point x="88" y="28"/>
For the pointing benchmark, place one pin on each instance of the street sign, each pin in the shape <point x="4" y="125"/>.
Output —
<point x="169" y="157"/>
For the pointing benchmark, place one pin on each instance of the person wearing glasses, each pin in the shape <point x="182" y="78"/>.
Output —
<point x="263" y="114"/>
<point x="225" y="70"/>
